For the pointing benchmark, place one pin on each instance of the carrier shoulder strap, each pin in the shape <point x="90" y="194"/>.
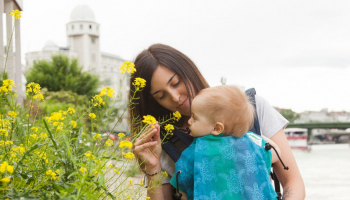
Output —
<point x="256" y="127"/>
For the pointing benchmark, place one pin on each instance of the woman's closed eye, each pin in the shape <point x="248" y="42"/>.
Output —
<point x="176" y="84"/>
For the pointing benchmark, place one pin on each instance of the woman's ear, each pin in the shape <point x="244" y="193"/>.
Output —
<point x="218" y="128"/>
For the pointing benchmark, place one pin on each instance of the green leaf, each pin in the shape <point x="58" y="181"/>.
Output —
<point x="50" y="135"/>
<point x="102" y="180"/>
<point x="79" y="136"/>
<point x="70" y="190"/>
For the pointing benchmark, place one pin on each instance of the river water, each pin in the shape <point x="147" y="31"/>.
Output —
<point x="326" y="171"/>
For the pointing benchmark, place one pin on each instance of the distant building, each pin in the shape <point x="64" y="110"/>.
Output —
<point x="83" y="42"/>
<point x="13" y="64"/>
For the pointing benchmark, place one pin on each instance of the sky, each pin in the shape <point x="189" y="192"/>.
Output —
<point x="294" y="53"/>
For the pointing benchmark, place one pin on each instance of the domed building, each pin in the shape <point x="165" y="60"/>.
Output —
<point x="83" y="43"/>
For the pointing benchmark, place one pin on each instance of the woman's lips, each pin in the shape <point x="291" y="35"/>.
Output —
<point x="182" y="104"/>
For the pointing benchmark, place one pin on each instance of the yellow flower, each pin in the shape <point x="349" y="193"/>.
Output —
<point x="97" y="101"/>
<point x="116" y="171"/>
<point x="110" y="166"/>
<point x="121" y="135"/>
<point x="92" y="116"/>
<point x="129" y="156"/>
<point x="139" y="83"/>
<point x="3" y="167"/>
<point x="38" y="96"/>
<point x="48" y="172"/>
<point x="109" y="142"/>
<point x="6" y="180"/>
<point x="33" y="88"/>
<point x="141" y="182"/>
<point x="169" y="128"/>
<point x="35" y="129"/>
<point x="128" y="66"/>
<point x="126" y="144"/>
<point x="165" y="174"/>
<point x="73" y="123"/>
<point x="89" y="155"/>
<point x="71" y="111"/>
<point x="111" y="92"/>
<point x="83" y="169"/>
<point x="148" y="198"/>
<point x="149" y="119"/>
<point x="16" y="14"/>
<point x="97" y="136"/>
<point x="43" y="136"/>
<point x="34" y="136"/>
<point x="177" y="115"/>
<point x="130" y="182"/>
<point x="12" y="114"/>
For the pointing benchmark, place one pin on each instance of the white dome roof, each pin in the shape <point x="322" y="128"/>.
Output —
<point x="82" y="13"/>
<point x="50" y="46"/>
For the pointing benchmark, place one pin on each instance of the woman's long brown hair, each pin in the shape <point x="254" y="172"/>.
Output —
<point x="146" y="63"/>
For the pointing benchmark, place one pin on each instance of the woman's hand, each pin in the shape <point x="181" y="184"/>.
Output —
<point x="148" y="148"/>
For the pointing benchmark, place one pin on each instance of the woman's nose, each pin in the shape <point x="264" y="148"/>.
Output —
<point x="175" y="96"/>
<point x="190" y="121"/>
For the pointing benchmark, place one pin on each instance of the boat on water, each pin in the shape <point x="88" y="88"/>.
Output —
<point x="297" y="138"/>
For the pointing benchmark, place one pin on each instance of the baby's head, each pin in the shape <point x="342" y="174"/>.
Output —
<point x="221" y="109"/>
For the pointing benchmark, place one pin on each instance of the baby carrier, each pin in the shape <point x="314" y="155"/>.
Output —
<point x="180" y="141"/>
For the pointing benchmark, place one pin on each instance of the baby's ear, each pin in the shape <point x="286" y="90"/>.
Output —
<point x="218" y="128"/>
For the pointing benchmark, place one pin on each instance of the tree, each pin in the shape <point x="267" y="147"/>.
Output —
<point x="63" y="73"/>
<point x="289" y="114"/>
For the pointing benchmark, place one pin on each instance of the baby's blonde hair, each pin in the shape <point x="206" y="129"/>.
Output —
<point x="229" y="105"/>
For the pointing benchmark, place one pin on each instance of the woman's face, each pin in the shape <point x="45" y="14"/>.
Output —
<point x="169" y="90"/>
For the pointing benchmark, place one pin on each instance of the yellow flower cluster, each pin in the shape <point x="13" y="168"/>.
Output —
<point x="16" y="14"/>
<point x="83" y="169"/>
<point x="43" y="136"/>
<point x="149" y="119"/>
<point x="128" y="66"/>
<point x="177" y="115"/>
<point x="71" y="111"/>
<point x="52" y="174"/>
<point x="97" y="101"/>
<point x="89" y="155"/>
<point x="97" y="136"/>
<point x="6" y="180"/>
<point x="92" y="116"/>
<point x="73" y="123"/>
<point x="6" y="143"/>
<point x="107" y="91"/>
<point x="126" y="144"/>
<point x="139" y="83"/>
<point x="121" y="135"/>
<point x="169" y="129"/>
<point x="5" y="166"/>
<point x="13" y="115"/>
<point x="129" y="156"/>
<point x="57" y="117"/>
<point x="33" y="88"/>
<point x="38" y="96"/>
<point x="42" y="155"/>
<point x="109" y="142"/>
<point x="7" y="86"/>
<point x="17" y="151"/>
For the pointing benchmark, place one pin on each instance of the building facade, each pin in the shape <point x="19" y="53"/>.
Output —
<point x="83" y="43"/>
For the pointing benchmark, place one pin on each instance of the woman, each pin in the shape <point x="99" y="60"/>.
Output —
<point x="172" y="82"/>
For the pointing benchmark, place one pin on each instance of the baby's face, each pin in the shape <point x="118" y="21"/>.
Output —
<point x="200" y="123"/>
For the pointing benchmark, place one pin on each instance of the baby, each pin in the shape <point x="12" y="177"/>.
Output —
<point x="225" y="161"/>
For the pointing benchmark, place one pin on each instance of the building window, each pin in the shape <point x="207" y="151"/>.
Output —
<point x="93" y="40"/>
<point x="72" y="27"/>
<point x="81" y="26"/>
<point x="90" y="26"/>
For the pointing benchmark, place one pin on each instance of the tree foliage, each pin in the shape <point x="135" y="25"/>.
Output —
<point x="289" y="114"/>
<point x="63" y="73"/>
